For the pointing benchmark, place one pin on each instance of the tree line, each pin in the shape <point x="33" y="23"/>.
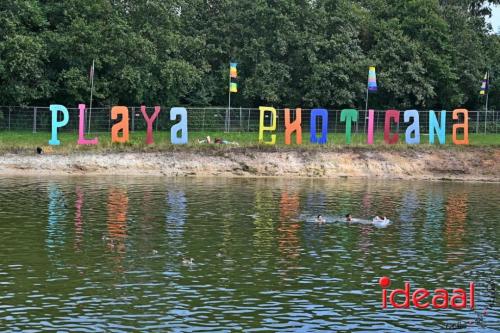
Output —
<point x="290" y="53"/>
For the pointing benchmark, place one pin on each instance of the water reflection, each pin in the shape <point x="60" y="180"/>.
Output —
<point x="264" y="234"/>
<point x="119" y="244"/>
<point x="454" y="225"/>
<point x="289" y="227"/>
<point x="432" y="232"/>
<point x="57" y="210"/>
<point x="175" y="218"/>
<point x="78" y="219"/>
<point x="117" y="207"/>
<point x="407" y="211"/>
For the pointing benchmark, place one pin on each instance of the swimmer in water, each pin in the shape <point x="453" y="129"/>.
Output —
<point x="348" y="217"/>
<point x="320" y="219"/>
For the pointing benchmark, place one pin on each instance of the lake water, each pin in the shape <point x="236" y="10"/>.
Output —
<point x="105" y="254"/>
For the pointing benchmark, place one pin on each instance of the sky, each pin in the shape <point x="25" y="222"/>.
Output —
<point x="495" y="19"/>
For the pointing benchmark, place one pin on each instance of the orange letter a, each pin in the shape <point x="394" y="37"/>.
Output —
<point x="120" y="126"/>
<point x="464" y="126"/>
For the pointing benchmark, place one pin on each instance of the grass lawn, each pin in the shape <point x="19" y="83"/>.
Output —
<point x="26" y="142"/>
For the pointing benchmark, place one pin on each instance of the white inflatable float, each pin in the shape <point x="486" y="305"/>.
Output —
<point x="381" y="223"/>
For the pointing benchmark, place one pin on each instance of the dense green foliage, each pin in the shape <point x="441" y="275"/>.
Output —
<point x="428" y="53"/>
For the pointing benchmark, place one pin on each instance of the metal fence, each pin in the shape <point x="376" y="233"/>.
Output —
<point x="38" y="119"/>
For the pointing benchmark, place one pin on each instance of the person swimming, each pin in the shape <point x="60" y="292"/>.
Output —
<point x="320" y="219"/>
<point x="348" y="217"/>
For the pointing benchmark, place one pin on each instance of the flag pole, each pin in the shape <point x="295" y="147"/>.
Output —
<point x="487" y="86"/>
<point x="228" y="114"/>
<point x="486" y="108"/>
<point x="366" y="108"/>
<point x="91" y="91"/>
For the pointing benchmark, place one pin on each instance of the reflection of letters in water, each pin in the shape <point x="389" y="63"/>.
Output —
<point x="117" y="218"/>
<point x="288" y="229"/>
<point x="408" y="207"/>
<point x="57" y="212"/>
<point x="174" y="218"/>
<point x="78" y="218"/>
<point x="456" y="215"/>
<point x="176" y="201"/>
<point x="433" y="219"/>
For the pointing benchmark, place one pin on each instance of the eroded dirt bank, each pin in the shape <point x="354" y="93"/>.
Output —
<point x="472" y="164"/>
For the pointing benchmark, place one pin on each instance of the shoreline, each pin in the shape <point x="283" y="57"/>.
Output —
<point x="478" y="164"/>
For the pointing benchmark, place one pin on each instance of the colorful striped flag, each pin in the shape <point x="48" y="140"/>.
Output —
<point x="233" y="72"/>
<point x="484" y="85"/>
<point x="372" y="79"/>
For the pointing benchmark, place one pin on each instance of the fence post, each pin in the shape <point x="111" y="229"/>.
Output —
<point x="485" y="120"/>
<point x="34" y="119"/>
<point x="157" y="120"/>
<point x="133" y="119"/>
<point x="203" y="120"/>
<point x="495" y="120"/>
<point x="496" y="124"/>
<point x="248" y="121"/>
<point x="357" y="126"/>
<point x="477" y="122"/>
<point x="9" y="117"/>
<point x="109" y="120"/>
<point x="225" y="120"/>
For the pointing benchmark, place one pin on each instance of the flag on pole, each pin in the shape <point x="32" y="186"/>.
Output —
<point x="372" y="79"/>
<point x="233" y="72"/>
<point x="484" y="85"/>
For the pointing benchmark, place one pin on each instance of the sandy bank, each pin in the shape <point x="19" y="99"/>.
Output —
<point x="472" y="164"/>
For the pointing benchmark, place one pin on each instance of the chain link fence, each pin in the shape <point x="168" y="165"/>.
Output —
<point x="220" y="119"/>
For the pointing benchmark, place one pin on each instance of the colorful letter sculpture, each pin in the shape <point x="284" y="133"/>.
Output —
<point x="295" y="126"/>
<point x="348" y="115"/>
<point x="81" y="128"/>
<point x="121" y="126"/>
<point x="262" y="127"/>
<point x="464" y="127"/>
<point x="324" y="125"/>
<point x="149" y="122"/>
<point x="434" y="127"/>
<point x="181" y="126"/>
<point x="413" y="128"/>
<point x="268" y="123"/>
<point x="390" y="114"/>
<point x="55" y="108"/>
